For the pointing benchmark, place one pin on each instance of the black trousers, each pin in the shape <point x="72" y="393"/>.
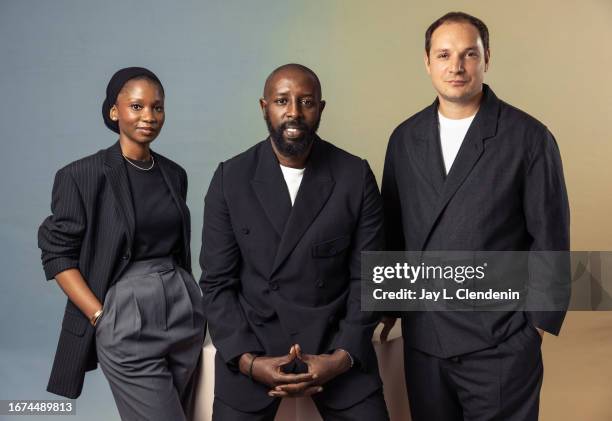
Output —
<point x="499" y="383"/>
<point x="372" y="408"/>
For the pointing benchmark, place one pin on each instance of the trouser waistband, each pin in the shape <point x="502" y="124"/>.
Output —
<point x="144" y="267"/>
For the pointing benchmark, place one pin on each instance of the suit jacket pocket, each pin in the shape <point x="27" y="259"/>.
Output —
<point x="74" y="323"/>
<point x="331" y="248"/>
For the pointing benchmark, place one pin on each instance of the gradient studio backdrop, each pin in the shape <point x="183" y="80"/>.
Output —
<point x="549" y="58"/>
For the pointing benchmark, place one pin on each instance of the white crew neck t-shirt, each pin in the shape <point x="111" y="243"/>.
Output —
<point x="452" y="133"/>
<point x="293" y="178"/>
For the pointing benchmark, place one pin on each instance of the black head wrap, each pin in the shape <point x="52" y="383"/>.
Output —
<point x="115" y="85"/>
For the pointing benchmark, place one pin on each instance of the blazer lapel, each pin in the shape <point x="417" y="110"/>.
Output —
<point x="313" y="193"/>
<point x="426" y="151"/>
<point x="173" y="182"/>
<point x="271" y="189"/>
<point x="116" y="174"/>
<point x="469" y="152"/>
<point x="483" y="126"/>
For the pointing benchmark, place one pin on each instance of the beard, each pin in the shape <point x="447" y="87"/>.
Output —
<point x="295" y="147"/>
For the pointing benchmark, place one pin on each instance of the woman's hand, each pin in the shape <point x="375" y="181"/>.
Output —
<point x="74" y="286"/>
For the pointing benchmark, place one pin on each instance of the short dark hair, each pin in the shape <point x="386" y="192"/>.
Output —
<point x="458" y="17"/>
<point x="297" y="66"/>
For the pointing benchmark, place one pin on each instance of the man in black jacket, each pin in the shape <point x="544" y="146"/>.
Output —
<point x="284" y="225"/>
<point x="471" y="172"/>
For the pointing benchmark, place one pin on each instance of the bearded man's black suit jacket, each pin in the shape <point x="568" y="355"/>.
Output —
<point x="275" y="275"/>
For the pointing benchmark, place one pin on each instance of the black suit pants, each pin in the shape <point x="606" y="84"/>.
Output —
<point x="498" y="383"/>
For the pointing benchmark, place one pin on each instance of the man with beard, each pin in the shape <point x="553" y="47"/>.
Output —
<point x="284" y="225"/>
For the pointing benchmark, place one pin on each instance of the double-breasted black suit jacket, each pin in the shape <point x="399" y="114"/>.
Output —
<point x="504" y="192"/>
<point x="275" y="275"/>
<point x="92" y="228"/>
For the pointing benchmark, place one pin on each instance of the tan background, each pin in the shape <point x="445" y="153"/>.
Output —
<point x="550" y="58"/>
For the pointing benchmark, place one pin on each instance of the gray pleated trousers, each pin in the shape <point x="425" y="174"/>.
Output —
<point x="149" y="339"/>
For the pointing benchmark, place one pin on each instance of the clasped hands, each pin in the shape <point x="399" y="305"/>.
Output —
<point x="321" y="369"/>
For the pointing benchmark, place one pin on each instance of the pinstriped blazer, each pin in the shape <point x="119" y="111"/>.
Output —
<point x="92" y="228"/>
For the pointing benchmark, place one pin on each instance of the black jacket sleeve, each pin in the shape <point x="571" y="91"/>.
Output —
<point x="356" y="328"/>
<point x="220" y="260"/>
<point x="60" y="235"/>
<point x="546" y="211"/>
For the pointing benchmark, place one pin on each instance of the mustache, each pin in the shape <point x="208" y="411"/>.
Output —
<point x="293" y="124"/>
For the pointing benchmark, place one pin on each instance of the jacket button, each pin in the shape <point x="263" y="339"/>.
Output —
<point x="126" y="256"/>
<point x="273" y="285"/>
<point x="245" y="231"/>
<point x="320" y="283"/>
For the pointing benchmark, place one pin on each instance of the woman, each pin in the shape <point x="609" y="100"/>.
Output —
<point x="117" y="243"/>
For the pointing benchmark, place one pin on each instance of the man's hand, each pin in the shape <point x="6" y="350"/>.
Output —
<point x="323" y="368"/>
<point x="388" y="323"/>
<point x="268" y="370"/>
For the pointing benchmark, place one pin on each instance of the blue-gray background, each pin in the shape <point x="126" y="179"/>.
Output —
<point x="56" y="57"/>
